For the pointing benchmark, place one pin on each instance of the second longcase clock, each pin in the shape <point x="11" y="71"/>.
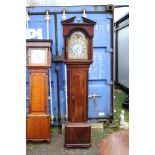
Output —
<point x="38" y="63"/>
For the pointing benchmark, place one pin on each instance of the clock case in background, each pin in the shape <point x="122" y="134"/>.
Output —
<point x="38" y="63"/>
<point x="77" y="129"/>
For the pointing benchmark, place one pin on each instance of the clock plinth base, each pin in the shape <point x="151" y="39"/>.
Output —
<point x="77" y="135"/>
<point x="38" y="127"/>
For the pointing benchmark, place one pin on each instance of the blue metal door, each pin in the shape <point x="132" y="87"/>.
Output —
<point x="100" y="77"/>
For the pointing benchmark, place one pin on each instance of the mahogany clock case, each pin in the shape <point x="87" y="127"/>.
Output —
<point x="77" y="93"/>
<point x="38" y="119"/>
<point x="77" y="129"/>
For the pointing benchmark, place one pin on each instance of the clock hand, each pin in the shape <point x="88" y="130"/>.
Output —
<point x="74" y="51"/>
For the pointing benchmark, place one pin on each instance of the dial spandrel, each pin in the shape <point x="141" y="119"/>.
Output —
<point x="77" y="46"/>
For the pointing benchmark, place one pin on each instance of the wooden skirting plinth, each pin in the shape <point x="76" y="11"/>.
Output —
<point x="38" y="127"/>
<point x="77" y="135"/>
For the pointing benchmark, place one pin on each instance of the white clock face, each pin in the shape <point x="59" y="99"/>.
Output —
<point x="77" y="46"/>
<point x="38" y="56"/>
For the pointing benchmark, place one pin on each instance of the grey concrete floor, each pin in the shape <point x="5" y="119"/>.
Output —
<point x="56" y="147"/>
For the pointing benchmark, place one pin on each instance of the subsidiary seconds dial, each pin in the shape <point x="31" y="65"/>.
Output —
<point x="77" y="46"/>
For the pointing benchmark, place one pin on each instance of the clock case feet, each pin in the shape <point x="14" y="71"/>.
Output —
<point x="38" y="140"/>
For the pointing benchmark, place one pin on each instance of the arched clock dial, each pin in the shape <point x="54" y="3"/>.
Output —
<point x="77" y="46"/>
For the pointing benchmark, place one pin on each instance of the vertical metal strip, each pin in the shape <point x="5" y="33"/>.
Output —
<point x="47" y="18"/>
<point x="56" y="33"/>
<point x="116" y="55"/>
<point x="57" y="70"/>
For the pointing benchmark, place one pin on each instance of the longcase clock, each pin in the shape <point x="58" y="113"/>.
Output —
<point x="78" y="55"/>
<point x="38" y="63"/>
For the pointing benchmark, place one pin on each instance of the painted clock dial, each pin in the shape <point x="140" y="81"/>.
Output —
<point x="38" y="56"/>
<point x="77" y="46"/>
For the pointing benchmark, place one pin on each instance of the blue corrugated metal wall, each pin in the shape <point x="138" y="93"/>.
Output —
<point x="100" y="72"/>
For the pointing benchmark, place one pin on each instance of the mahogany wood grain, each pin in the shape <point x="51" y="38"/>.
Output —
<point x="78" y="94"/>
<point x="38" y="127"/>
<point x="77" y="135"/>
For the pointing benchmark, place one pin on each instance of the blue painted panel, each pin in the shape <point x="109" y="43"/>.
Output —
<point x="27" y="89"/>
<point x="99" y="107"/>
<point x="100" y="69"/>
<point x="99" y="76"/>
<point x="97" y="68"/>
<point x="27" y="75"/>
<point x="109" y="33"/>
<point x="54" y="89"/>
<point x="38" y="22"/>
<point x="63" y="106"/>
<point x="61" y="74"/>
<point x="108" y="67"/>
<point x="52" y="33"/>
<point x="99" y="39"/>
